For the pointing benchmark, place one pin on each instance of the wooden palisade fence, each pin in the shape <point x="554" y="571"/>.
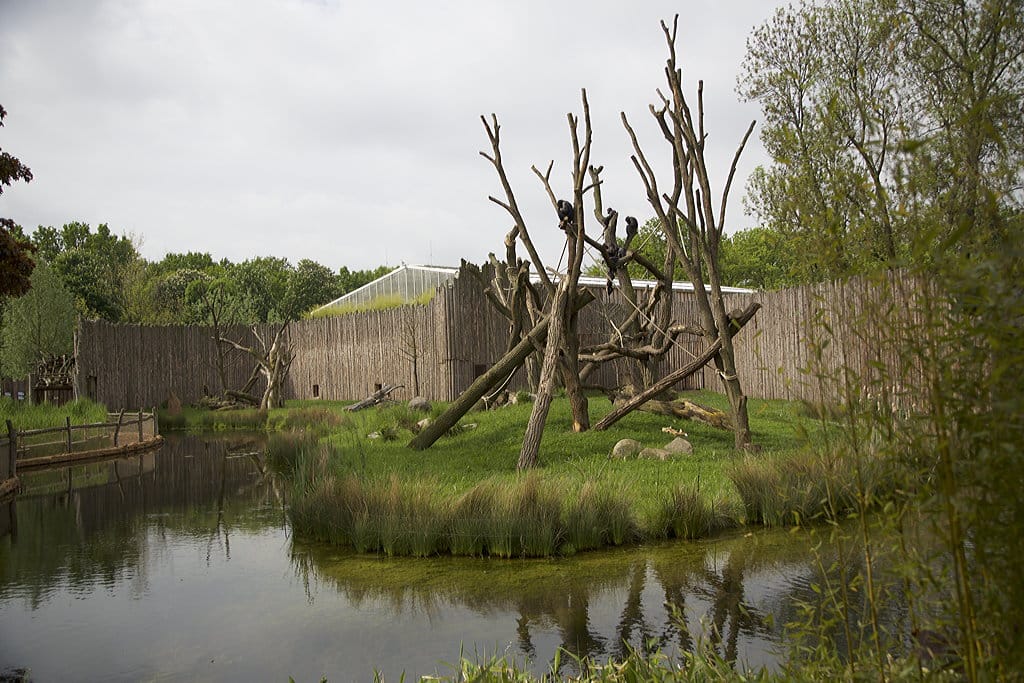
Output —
<point x="439" y="348"/>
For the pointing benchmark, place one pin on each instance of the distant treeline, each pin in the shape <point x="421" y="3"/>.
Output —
<point x="108" y="279"/>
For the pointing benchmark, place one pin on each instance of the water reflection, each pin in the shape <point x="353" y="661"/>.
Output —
<point x="180" y="564"/>
<point x="98" y="524"/>
<point x="733" y="593"/>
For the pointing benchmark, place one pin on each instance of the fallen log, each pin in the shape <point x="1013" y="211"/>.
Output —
<point x="680" y="408"/>
<point x="242" y="397"/>
<point x="375" y="398"/>
<point x="737" y="320"/>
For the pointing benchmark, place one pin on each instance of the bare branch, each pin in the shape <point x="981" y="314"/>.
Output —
<point x="732" y="172"/>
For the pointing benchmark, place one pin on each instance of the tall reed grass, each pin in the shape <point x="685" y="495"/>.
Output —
<point x="807" y="487"/>
<point x="689" y="514"/>
<point x="528" y="516"/>
<point x="25" y="415"/>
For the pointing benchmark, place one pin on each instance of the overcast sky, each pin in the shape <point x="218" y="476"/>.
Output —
<point x="344" y="132"/>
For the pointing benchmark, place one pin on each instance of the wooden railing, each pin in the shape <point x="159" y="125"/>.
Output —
<point x="8" y="457"/>
<point x="120" y="429"/>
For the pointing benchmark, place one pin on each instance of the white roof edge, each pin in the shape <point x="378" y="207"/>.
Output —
<point x="586" y="280"/>
<point x="677" y="286"/>
<point x="434" y="269"/>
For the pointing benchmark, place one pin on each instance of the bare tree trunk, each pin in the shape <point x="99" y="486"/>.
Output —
<point x="541" y="406"/>
<point x="692" y="228"/>
<point x="272" y="361"/>
<point x="570" y="366"/>
<point x="498" y="373"/>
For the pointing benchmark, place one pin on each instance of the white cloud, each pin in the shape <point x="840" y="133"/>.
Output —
<point x="346" y="132"/>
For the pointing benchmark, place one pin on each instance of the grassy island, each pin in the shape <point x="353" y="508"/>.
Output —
<point x="356" y="484"/>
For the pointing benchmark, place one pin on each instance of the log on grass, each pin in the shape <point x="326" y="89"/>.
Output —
<point x="242" y="397"/>
<point x="737" y="321"/>
<point x="686" y="410"/>
<point x="375" y="398"/>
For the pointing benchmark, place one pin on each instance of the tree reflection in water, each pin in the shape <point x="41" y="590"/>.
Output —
<point x="671" y="597"/>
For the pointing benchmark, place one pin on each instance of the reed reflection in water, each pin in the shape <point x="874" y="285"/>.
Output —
<point x="181" y="564"/>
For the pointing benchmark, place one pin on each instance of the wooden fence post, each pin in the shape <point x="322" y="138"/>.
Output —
<point x="12" y="448"/>
<point x="67" y="421"/>
<point x="117" y="429"/>
<point x="156" y="423"/>
<point x="140" y="424"/>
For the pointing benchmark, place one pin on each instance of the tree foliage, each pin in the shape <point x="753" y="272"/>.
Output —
<point x="886" y="120"/>
<point x="37" y="325"/>
<point x="96" y="267"/>
<point x="758" y="258"/>
<point x="15" y="251"/>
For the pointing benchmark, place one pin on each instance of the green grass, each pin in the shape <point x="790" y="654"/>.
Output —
<point x="464" y="496"/>
<point x="24" y="415"/>
<point x="199" y="419"/>
<point x="357" y="484"/>
<point x="809" y="485"/>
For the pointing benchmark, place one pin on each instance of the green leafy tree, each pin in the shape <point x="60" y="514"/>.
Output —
<point x="192" y="260"/>
<point x="167" y="295"/>
<point x="309" y="285"/>
<point x="263" y="283"/>
<point x="99" y="268"/>
<point x="37" y="325"/>
<point x="758" y="258"/>
<point x="15" y="251"/>
<point x="887" y="120"/>
<point x="349" y="280"/>
<point x="84" y="275"/>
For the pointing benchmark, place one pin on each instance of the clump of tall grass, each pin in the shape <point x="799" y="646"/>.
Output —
<point x="392" y="516"/>
<point x="704" y="664"/>
<point x="172" y="422"/>
<point x="248" y="418"/>
<point x="285" y="450"/>
<point x="807" y="486"/>
<point x="521" y="520"/>
<point x="688" y="514"/>
<point x="25" y="415"/>
<point x="597" y="518"/>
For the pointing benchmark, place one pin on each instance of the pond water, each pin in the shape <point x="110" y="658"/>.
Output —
<point x="180" y="565"/>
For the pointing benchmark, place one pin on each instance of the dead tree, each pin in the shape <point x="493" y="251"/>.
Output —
<point x="410" y="347"/>
<point x="643" y="334"/>
<point x="508" y="363"/>
<point x="736" y="322"/>
<point x="561" y="354"/>
<point x="561" y="351"/>
<point x="693" y="229"/>
<point x="273" y="361"/>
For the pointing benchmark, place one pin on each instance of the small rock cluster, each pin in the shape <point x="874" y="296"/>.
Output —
<point x="631" y="448"/>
